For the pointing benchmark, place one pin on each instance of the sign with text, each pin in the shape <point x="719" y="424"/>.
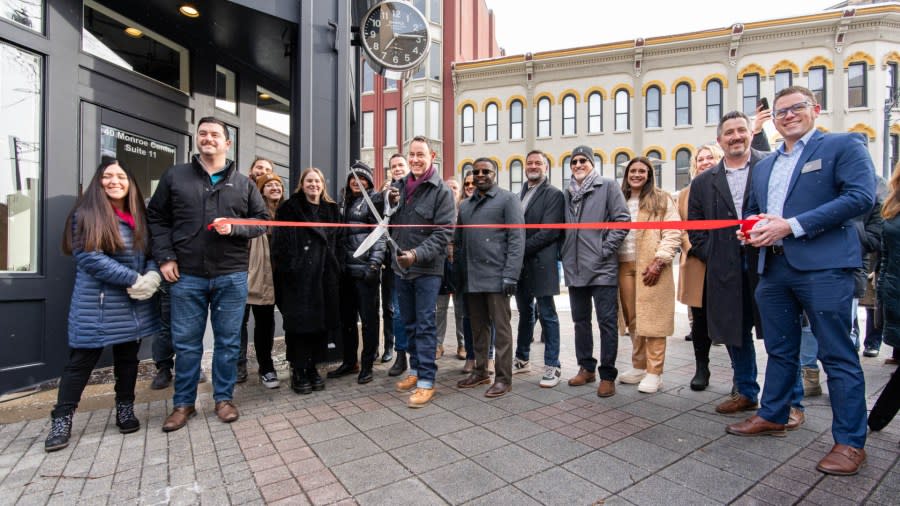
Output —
<point x="144" y="157"/>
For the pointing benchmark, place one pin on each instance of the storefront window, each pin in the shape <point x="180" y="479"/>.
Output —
<point x="144" y="157"/>
<point x="20" y="159"/>
<point x="28" y="13"/>
<point x="122" y="42"/>
<point x="226" y="90"/>
<point x="273" y="111"/>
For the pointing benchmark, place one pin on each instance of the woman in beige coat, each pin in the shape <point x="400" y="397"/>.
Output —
<point x="646" y="283"/>
<point x="692" y="272"/>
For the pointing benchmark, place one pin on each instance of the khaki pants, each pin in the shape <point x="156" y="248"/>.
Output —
<point x="647" y="352"/>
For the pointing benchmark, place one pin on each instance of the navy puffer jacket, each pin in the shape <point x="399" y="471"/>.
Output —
<point x="101" y="312"/>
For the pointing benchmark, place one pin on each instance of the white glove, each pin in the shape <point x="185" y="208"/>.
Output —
<point x="145" y="286"/>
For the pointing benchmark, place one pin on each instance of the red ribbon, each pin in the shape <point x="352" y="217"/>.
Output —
<point x="745" y="225"/>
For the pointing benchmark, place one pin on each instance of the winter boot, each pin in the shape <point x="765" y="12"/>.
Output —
<point x="300" y="381"/>
<point x="60" y="432"/>
<point x="701" y="378"/>
<point x="811" y="386"/>
<point x="125" y="419"/>
<point x="400" y="366"/>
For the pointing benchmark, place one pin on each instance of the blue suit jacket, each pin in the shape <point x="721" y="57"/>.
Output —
<point x="832" y="183"/>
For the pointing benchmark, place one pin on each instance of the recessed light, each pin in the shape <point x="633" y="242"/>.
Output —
<point x="264" y="96"/>
<point x="133" y="32"/>
<point x="189" y="11"/>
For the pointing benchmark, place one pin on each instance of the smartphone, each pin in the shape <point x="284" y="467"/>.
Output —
<point x="762" y="104"/>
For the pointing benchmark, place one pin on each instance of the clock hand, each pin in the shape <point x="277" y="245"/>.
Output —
<point x="408" y="36"/>
<point x="386" y="46"/>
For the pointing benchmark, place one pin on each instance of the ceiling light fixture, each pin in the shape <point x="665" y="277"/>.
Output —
<point x="189" y="10"/>
<point x="134" y="32"/>
<point x="264" y="96"/>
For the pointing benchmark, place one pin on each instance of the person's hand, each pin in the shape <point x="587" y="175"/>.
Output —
<point x="169" y="271"/>
<point x="371" y="275"/>
<point x="766" y="233"/>
<point x="509" y="287"/>
<point x="650" y="276"/>
<point x="762" y="115"/>
<point x="394" y="195"/>
<point x="222" y="228"/>
<point x="406" y="258"/>
<point x="145" y="286"/>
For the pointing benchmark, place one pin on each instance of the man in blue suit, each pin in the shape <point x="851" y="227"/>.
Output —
<point x="808" y="194"/>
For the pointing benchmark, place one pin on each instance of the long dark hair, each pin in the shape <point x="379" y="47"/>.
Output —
<point x="97" y="226"/>
<point x="651" y="199"/>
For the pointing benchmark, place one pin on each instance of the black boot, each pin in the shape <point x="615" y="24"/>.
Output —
<point x="400" y="364"/>
<point x="343" y="370"/>
<point x="317" y="382"/>
<point x="60" y="432"/>
<point x="701" y="378"/>
<point x="125" y="419"/>
<point x="162" y="379"/>
<point x="365" y="375"/>
<point x="241" y="373"/>
<point x="300" y="381"/>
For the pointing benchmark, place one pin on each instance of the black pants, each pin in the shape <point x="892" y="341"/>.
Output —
<point x="263" y="336"/>
<point x="81" y="363"/>
<point x="305" y="349"/>
<point x="359" y="300"/>
<point x="163" y="351"/>
<point x="700" y="334"/>
<point x="387" y="308"/>
<point x="606" y="303"/>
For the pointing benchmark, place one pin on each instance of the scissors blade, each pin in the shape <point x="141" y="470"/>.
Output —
<point x="371" y="239"/>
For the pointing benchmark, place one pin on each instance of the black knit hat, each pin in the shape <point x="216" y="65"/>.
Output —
<point x="362" y="170"/>
<point x="586" y="152"/>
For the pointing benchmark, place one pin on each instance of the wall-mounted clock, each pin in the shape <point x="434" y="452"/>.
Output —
<point x="395" y="38"/>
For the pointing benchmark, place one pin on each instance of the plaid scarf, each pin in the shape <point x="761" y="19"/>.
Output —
<point x="578" y="191"/>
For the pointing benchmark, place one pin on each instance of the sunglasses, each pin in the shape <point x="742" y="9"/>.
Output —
<point x="576" y="161"/>
<point x="469" y="184"/>
<point x="482" y="172"/>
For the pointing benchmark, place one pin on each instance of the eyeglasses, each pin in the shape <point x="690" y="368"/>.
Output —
<point x="469" y="183"/>
<point x="576" y="161"/>
<point x="794" y="109"/>
<point x="481" y="172"/>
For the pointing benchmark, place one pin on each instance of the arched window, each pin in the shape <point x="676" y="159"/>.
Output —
<point x="515" y="120"/>
<point x="515" y="176"/>
<point x="466" y="168"/>
<point x="621" y="162"/>
<point x="713" y="102"/>
<point x="654" y="114"/>
<point x="817" y="85"/>
<point x="623" y="115"/>
<point x="467" y="136"/>
<point x="543" y="117"/>
<point x="595" y="112"/>
<point x="491" y="130"/>
<point x="567" y="171"/>
<point x="568" y="115"/>
<point x="683" y="104"/>
<point x="598" y="164"/>
<point x="682" y="168"/>
<point x="783" y="79"/>
<point x="656" y="158"/>
<point x="750" y="85"/>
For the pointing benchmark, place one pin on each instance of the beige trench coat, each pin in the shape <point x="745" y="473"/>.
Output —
<point x="260" y="287"/>
<point x="692" y="271"/>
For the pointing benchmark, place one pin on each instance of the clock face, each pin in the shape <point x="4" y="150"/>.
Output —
<point x="395" y="36"/>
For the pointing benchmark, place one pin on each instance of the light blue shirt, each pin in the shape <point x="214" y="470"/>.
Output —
<point x="737" y="183"/>
<point x="780" y="178"/>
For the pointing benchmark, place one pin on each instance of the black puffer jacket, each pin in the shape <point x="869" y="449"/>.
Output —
<point x="185" y="202"/>
<point x="355" y="210"/>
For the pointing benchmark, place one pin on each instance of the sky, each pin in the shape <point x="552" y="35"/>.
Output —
<point x="542" y="25"/>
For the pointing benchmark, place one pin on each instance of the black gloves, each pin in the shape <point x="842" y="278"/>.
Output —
<point x="371" y="275"/>
<point x="509" y="287"/>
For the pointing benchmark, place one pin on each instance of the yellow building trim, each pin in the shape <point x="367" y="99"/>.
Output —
<point x="616" y="152"/>
<point x="563" y="156"/>
<point x="647" y="85"/>
<point x="549" y="160"/>
<point x="497" y="161"/>
<point x="858" y="57"/>
<point x="689" y="147"/>
<point x="863" y="129"/>
<point x="461" y="105"/>
<point x="592" y="89"/>
<point x="892" y="57"/>
<point x="543" y="94"/>
<point x="513" y="158"/>
<point x="751" y="69"/>
<point x="660" y="149"/>
<point x="521" y="98"/>
<point x="684" y="79"/>
<point x="622" y="86"/>
<point x="462" y="164"/>
<point x="895" y="129"/>
<point x="570" y="91"/>
<point x="819" y="127"/>
<point x="492" y="100"/>
<point x="784" y="65"/>
<point x="601" y="154"/>
<point x="818" y="61"/>
<point x="722" y="79"/>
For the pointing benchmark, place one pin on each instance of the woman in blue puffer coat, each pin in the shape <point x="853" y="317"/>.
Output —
<point x="111" y="303"/>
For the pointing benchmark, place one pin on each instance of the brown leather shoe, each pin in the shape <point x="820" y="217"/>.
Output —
<point x="498" y="389"/>
<point x="473" y="380"/>
<point x="582" y="378"/>
<point x="607" y="388"/>
<point x="226" y="411"/>
<point x="736" y="404"/>
<point x="843" y="460"/>
<point x="178" y="418"/>
<point x="756" y="426"/>
<point x="795" y="419"/>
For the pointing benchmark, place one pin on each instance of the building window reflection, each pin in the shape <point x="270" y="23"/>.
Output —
<point x="273" y="111"/>
<point x="27" y="13"/>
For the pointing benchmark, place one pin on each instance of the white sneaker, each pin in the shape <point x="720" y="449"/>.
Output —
<point x="269" y="380"/>
<point x="632" y="376"/>
<point x="650" y="384"/>
<point x="551" y="376"/>
<point x="521" y="366"/>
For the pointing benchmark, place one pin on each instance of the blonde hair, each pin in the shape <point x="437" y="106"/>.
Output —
<point x="891" y="205"/>
<point x="713" y="148"/>
<point x="325" y="196"/>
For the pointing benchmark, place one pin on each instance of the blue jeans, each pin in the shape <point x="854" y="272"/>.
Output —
<point x="418" y="299"/>
<point x="546" y="311"/>
<point x="809" y="347"/>
<point x="192" y="299"/>
<point x="397" y="323"/>
<point x="827" y="298"/>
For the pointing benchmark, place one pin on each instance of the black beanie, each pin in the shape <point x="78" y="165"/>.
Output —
<point x="584" y="151"/>
<point x="362" y="170"/>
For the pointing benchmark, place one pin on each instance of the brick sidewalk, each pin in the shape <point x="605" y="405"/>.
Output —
<point x="360" y="444"/>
